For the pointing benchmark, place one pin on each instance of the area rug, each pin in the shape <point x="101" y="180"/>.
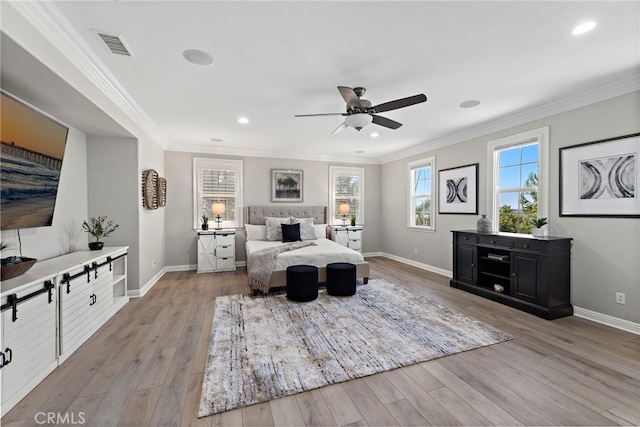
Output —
<point x="266" y="347"/>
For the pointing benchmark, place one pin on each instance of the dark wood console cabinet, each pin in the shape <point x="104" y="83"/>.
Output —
<point x="525" y="272"/>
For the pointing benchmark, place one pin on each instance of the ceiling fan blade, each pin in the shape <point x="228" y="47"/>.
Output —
<point x="383" y="121"/>
<point x="321" y="114"/>
<point x="399" y="103"/>
<point x="350" y="97"/>
<point x="340" y="128"/>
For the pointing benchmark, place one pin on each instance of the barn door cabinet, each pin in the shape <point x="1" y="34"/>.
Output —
<point x="216" y="250"/>
<point x="28" y="344"/>
<point x="52" y="309"/>
<point x="525" y="272"/>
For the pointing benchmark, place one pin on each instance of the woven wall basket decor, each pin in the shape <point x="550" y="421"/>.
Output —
<point x="150" y="189"/>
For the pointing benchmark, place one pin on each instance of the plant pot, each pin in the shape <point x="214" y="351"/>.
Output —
<point x="205" y="227"/>
<point x="353" y="223"/>
<point x="539" y="231"/>
<point x="96" y="246"/>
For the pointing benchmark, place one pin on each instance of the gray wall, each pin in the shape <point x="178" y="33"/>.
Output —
<point x="181" y="244"/>
<point x="112" y="188"/>
<point x="606" y="251"/>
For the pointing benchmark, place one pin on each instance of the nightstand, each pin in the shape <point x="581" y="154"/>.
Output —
<point x="216" y="250"/>
<point x="349" y="236"/>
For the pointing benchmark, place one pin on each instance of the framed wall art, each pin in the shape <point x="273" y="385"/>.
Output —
<point x="600" y="178"/>
<point x="458" y="190"/>
<point x="286" y="185"/>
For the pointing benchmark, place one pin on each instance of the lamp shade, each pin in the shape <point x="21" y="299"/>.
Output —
<point x="344" y="209"/>
<point x="217" y="209"/>
<point x="359" y="120"/>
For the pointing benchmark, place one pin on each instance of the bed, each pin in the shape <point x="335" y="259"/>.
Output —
<point x="322" y="252"/>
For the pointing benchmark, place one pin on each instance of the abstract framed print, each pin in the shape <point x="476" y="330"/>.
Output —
<point x="601" y="178"/>
<point x="458" y="190"/>
<point x="286" y="185"/>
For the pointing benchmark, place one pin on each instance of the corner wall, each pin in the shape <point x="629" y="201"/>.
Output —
<point x="605" y="251"/>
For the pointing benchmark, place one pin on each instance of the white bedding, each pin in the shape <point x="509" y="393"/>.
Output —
<point x="322" y="253"/>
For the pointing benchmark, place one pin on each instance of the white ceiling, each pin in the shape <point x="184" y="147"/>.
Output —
<point x="273" y="60"/>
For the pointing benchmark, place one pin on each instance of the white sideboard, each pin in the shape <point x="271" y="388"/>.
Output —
<point x="216" y="250"/>
<point x="349" y="236"/>
<point x="49" y="311"/>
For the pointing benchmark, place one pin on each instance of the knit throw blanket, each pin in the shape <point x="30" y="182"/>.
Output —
<point x="261" y="267"/>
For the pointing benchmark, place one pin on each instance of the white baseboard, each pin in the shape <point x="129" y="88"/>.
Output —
<point x="139" y="293"/>
<point x="605" y="319"/>
<point x="421" y="265"/>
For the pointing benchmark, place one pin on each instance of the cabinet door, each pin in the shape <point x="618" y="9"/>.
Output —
<point x="525" y="277"/>
<point x="29" y="345"/>
<point x="206" y="253"/>
<point x="466" y="264"/>
<point x="341" y="237"/>
<point x="75" y="317"/>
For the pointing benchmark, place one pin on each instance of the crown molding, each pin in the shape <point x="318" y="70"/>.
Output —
<point x="51" y="23"/>
<point x="620" y="85"/>
<point x="247" y="152"/>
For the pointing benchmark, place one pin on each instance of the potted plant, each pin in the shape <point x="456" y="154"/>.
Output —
<point x="352" y="218"/>
<point x="205" y="221"/>
<point x="538" y="226"/>
<point x="99" y="227"/>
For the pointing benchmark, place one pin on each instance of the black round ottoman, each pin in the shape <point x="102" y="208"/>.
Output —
<point x="341" y="279"/>
<point x="302" y="283"/>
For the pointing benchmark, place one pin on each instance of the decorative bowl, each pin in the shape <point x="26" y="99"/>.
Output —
<point x="14" y="270"/>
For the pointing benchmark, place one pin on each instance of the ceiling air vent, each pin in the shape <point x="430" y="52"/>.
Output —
<point x="114" y="43"/>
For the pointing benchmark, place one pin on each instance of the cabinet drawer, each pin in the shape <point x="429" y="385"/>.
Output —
<point x="355" y="234"/>
<point x="530" y="245"/>
<point x="225" y="251"/>
<point x="355" y="244"/>
<point x="503" y="242"/>
<point x="226" y="264"/>
<point x="225" y="239"/>
<point x="466" y="238"/>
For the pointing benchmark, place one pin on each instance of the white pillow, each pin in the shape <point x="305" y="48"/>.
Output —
<point x="307" y="231"/>
<point x="256" y="232"/>
<point x="274" y="228"/>
<point x="320" y="231"/>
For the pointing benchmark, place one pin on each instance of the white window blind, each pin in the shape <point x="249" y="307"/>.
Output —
<point x="347" y="186"/>
<point x="218" y="181"/>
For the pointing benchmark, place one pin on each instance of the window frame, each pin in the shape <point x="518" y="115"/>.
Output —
<point x="541" y="136"/>
<point x="411" y="166"/>
<point x="346" y="171"/>
<point x="200" y="163"/>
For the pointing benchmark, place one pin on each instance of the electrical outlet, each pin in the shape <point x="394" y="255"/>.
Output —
<point x="153" y="263"/>
<point x="415" y="251"/>
<point x="620" y="298"/>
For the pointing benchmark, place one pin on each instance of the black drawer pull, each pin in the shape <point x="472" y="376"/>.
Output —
<point x="2" y="357"/>
<point x="493" y="242"/>
<point x="466" y="238"/>
<point x="525" y="246"/>
<point x="8" y="357"/>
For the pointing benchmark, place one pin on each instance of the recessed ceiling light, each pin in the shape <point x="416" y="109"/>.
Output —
<point x="583" y="28"/>
<point x="216" y="140"/>
<point x="243" y="120"/>
<point x="360" y="151"/>
<point x="374" y="134"/>
<point x="198" y="57"/>
<point x="470" y="103"/>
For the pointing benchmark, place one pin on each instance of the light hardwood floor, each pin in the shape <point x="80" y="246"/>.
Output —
<point x="145" y="367"/>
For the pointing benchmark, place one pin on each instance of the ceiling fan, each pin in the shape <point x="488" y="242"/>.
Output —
<point x="360" y="112"/>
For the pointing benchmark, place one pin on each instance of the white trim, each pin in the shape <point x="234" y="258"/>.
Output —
<point x="605" y="319"/>
<point x="139" y="293"/>
<point x="214" y="163"/>
<point x="415" y="164"/>
<point x="420" y="265"/>
<point x="541" y="135"/>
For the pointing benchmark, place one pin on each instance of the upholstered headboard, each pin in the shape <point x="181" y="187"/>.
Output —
<point x="256" y="214"/>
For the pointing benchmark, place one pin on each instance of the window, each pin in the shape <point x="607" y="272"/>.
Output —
<point x="346" y="186"/>
<point x="420" y="210"/>
<point x="218" y="181"/>
<point x="519" y="180"/>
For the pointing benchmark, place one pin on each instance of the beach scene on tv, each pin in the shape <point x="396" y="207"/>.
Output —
<point x="30" y="165"/>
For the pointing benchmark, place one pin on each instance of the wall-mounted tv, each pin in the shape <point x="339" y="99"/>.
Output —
<point x="30" y="164"/>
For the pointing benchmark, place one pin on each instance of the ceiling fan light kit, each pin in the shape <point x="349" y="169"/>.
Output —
<point x="358" y="120"/>
<point x="360" y="113"/>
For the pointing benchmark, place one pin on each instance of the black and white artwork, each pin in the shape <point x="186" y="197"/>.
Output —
<point x="601" y="178"/>
<point x="608" y="178"/>
<point x="458" y="190"/>
<point x="286" y="185"/>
